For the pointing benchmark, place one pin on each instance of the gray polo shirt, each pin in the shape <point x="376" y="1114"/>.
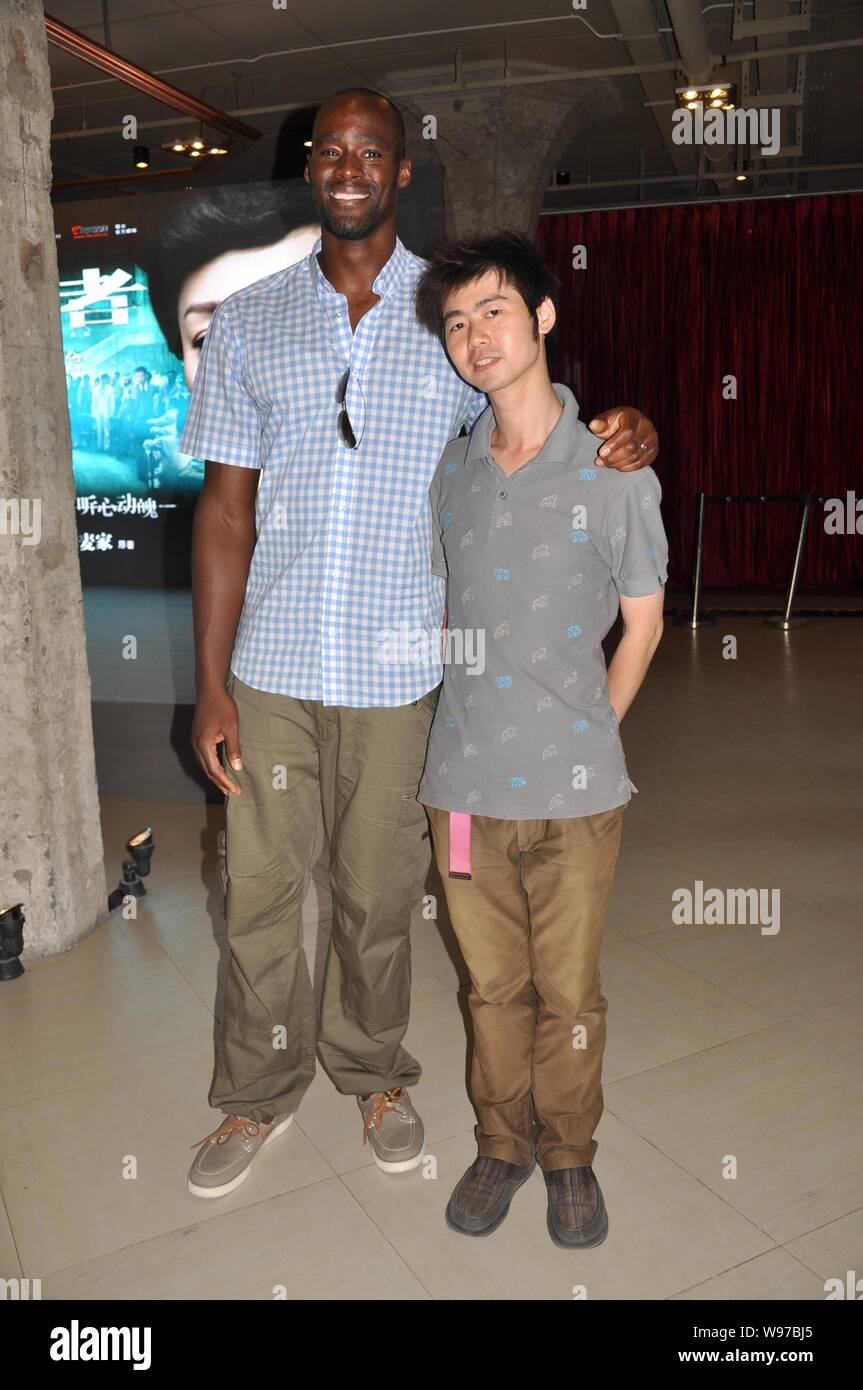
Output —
<point x="535" y="565"/>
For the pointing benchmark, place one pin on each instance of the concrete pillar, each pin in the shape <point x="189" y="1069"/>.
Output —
<point x="500" y="147"/>
<point x="50" y="840"/>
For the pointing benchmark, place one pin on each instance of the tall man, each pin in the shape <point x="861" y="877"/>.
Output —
<point x="321" y="407"/>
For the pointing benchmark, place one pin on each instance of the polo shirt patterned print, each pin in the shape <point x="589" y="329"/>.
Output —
<point x="341" y="562"/>
<point x="535" y="563"/>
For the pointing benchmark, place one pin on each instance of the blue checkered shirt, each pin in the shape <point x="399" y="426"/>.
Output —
<point x="341" y="604"/>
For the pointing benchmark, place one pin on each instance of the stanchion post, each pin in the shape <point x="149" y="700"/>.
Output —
<point x="694" y="619"/>
<point x="786" y="623"/>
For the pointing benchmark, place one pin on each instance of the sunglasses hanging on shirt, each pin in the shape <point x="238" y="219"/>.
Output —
<point x="343" y="424"/>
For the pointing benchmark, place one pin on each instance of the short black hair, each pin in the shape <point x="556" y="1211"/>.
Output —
<point x="221" y="219"/>
<point x="370" y="92"/>
<point x="456" y="263"/>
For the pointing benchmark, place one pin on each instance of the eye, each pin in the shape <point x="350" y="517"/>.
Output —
<point x="494" y="311"/>
<point x="198" y="340"/>
<point x="453" y="326"/>
<point x="375" y="153"/>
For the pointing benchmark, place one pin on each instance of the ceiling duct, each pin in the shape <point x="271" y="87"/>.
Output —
<point x="71" y="41"/>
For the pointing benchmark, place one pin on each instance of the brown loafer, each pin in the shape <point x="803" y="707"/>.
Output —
<point x="481" y="1198"/>
<point x="577" y="1218"/>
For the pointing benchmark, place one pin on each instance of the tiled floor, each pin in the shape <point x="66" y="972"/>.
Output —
<point x="731" y="1148"/>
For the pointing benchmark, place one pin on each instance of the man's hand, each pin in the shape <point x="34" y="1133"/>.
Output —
<point x="217" y="721"/>
<point x="625" y="430"/>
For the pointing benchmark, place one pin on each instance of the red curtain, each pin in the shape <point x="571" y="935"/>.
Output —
<point x="674" y="300"/>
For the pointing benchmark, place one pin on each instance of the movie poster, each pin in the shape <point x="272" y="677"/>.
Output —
<point x="137" y="294"/>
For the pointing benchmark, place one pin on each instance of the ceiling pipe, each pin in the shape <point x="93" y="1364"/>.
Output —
<point x="544" y="79"/>
<point x="387" y="38"/>
<point x="764" y="196"/>
<point x="597" y="185"/>
<point x="690" y="33"/>
<point x="79" y="46"/>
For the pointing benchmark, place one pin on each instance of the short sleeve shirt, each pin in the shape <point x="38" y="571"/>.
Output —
<point x="536" y="563"/>
<point x="341" y="561"/>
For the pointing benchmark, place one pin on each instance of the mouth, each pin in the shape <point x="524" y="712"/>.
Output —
<point x="348" y="195"/>
<point x="482" y="364"/>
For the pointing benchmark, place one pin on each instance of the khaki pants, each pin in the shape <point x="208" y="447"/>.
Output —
<point x="358" y="770"/>
<point x="529" y="922"/>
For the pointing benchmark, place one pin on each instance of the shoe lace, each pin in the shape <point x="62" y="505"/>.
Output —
<point x="232" y="1124"/>
<point x="380" y="1103"/>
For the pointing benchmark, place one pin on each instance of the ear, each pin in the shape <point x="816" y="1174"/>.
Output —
<point x="546" y="316"/>
<point x="306" y="168"/>
<point x="404" y="178"/>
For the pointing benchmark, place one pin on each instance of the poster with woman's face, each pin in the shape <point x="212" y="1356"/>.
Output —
<point x="136" y="299"/>
<point x="205" y="288"/>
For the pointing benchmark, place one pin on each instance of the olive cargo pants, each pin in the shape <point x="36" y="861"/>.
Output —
<point x="359" y="769"/>
<point x="530" y="923"/>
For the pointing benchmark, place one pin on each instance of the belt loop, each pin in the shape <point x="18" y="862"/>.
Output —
<point x="459" y="845"/>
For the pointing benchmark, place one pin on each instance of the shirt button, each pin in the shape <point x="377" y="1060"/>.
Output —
<point x="331" y="632"/>
<point x="336" y="573"/>
<point x="502" y="494"/>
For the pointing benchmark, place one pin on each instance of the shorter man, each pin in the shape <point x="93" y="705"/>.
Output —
<point x="525" y="780"/>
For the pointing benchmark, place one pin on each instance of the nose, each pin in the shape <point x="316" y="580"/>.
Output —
<point x="347" y="168"/>
<point x="477" y="335"/>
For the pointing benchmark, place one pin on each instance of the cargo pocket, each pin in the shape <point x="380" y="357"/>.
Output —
<point x="377" y="986"/>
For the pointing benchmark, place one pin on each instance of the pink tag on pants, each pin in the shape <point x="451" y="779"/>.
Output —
<point x="459" y="845"/>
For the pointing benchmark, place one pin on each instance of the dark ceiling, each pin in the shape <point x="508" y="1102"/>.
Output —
<point x="271" y="66"/>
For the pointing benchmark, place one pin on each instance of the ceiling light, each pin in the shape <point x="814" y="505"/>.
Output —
<point x="705" y="94"/>
<point x="741" y="178"/>
<point x="197" y="144"/>
<point x="194" y="154"/>
<point x="217" y="149"/>
<point x="142" y="157"/>
<point x="179" y="147"/>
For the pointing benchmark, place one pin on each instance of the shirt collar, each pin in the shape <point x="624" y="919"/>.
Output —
<point x="560" y="446"/>
<point x="387" y="279"/>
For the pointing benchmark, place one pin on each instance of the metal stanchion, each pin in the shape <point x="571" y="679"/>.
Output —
<point x="786" y="623"/>
<point x="692" y="618"/>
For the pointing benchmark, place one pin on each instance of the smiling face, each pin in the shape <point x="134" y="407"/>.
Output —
<point x="489" y="332"/>
<point x="203" y="291"/>
<point x="354" y="167"/>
